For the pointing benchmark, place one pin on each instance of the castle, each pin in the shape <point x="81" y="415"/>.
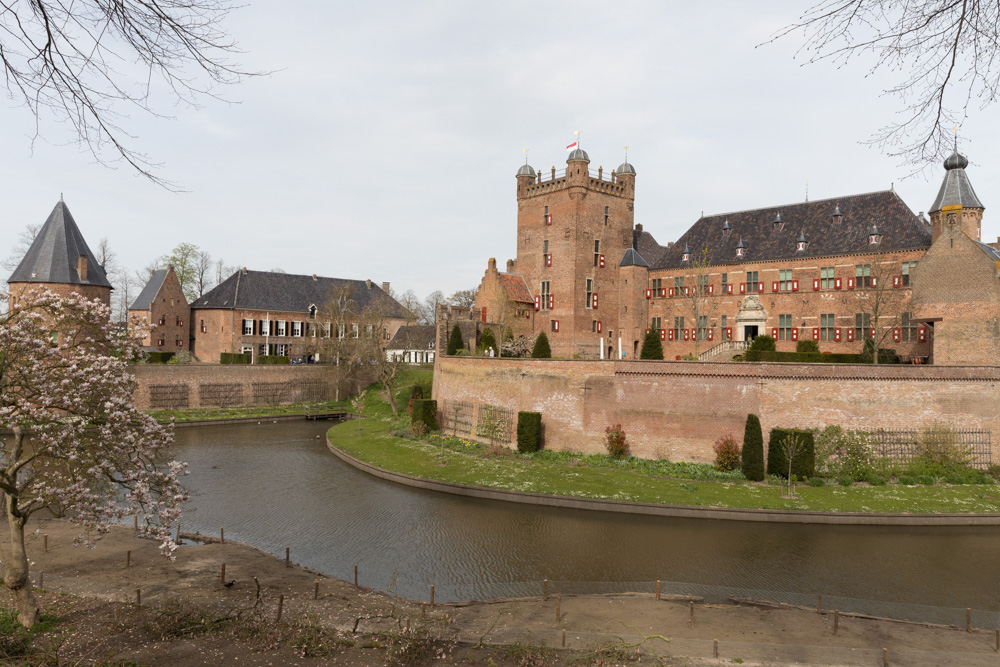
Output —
<point x="836" y="271"/>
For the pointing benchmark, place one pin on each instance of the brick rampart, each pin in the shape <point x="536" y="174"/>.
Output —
<point x="677" y="410"/>
<point x="213" y="385"/>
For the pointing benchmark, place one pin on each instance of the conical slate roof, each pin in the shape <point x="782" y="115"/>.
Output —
<point x="632" y="258"/>
<point x="956" y="188"/>
<point x="54" y="254"/>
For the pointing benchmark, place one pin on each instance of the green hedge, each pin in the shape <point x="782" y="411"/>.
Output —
<point x="159" y="357"/>
<point x="272" y="359"/>
<point x="804" y="464"/>
<point x="812" y="357"/>
<point x="426" y="410"/>
<point x="752" y="462"/>
<point x="529" y="431"/>
<point x="234" y="358"/>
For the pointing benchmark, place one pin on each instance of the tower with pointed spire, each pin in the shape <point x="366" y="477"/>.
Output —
<point x="956" y="207"/>
<point x="60" y="260"/>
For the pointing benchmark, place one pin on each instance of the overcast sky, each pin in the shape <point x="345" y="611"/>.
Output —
<point x="385" y="143"/>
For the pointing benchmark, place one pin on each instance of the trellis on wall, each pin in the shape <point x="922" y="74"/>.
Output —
<point x="220" y="395"/>
<point x="168" y="396"/>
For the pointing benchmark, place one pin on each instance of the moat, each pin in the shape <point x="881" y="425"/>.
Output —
<point x="277" y="485"/>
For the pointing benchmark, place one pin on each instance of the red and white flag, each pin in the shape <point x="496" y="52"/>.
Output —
<point x="573" y="145"/>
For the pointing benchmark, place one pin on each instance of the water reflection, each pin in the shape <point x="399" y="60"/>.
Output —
<point x="276" y="485"/>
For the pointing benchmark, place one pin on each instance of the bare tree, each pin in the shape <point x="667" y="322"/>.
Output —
<point x="410" y="303"/>
<point x="370" y="349"/>
<point x="429" y="308"/>
<point x="463" y="298"/>
<point x="223" y="270"/>
<point x="21" y="246"/>
<point x="880" y="302"/>
<point x="945" y="54"/>
<point x="65" y="59"/>
<point x="697" y="301"/>
<point x="203" y="272"/>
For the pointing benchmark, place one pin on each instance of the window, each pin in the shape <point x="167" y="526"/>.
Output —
<point x="593" y="326"/>
<point x="590" y="293"/>
<point x="785" y="280"/>
<point x="159" y="343"/>
<point x="282" y="328"/>
<point x="369" y="330"/>
<point x="826" y="327"/>
<point x="656" y="323"/>
<point x="679" y="285"/>
<point x="354" y="330"/>
<point x="908" y="327"/>
<point x="826" y="277"/>
<point x="657" y="286"/>
<point x="311" y="328"/>
<point x="862" y="326"/>
<point x="554" y="325"/>
<point x="312" y="312"/>
<point x="297" y="329"/>
<point x="703" y="284"/>
<point x="907" y="269"/>
<point x="265" y="328"/>
<point x="247" y="327"/>
<point x="752" y="281"/>
<point x="702" y="327"/>
<point x="162" y="320"/>
<point x="328" y="329"/>
<point x="54" y="338"/>
<point x="177" y="321"/>
<point x="545" y="247"/>
<point x="341" y="330"/>
<point x="607" y="214"/>
<point x="597" y="252"/>
<point x="863" y="274"/>
<point x="784" y="327"/>
<point x="545" y="219"/>
<point x="544" y="295"/>
<point x="179" y="343"/>
<point x="203" y="329"/>
<point x="678" y="328"/>
<point x="725" y="281"/>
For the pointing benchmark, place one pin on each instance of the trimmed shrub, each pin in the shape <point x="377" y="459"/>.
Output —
<point x="762" y="343"/>
<point x="234" y="358"/>
<point x="753" y="450"/>
<point x="416" y="393"/>
<point x="159" y="357"/>
<point x="529" y="431"/>
<point x="875" y="480"/>
<point x="817" y="481"/>
<point x="905" y="480"/>
<point x="804" y="464"/>
<point x="488" y="340"/>
<point x="273" y="359"/>
<point x="727" y="453"/>
<point x="425" y="410"/>
<point x="807" y="346"/>
<point x="615" y="442"/>
<point x="846" y="480"/>
<point x="652" y="348"/>
<point x="541" y="349"/>
<point x="806" y="357"/>
<point x="455" y="342"/>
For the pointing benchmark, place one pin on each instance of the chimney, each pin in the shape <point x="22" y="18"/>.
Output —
<point x="385" y="287"/>
<point x="510" y="266"/>
<point x="638" y="227"/>
<point x="81" y="267"/>
<point x="368" y="282"/>
<point x="492" y="265"/>
<point x="314" y="277"/>
<point x="670" y="244"/>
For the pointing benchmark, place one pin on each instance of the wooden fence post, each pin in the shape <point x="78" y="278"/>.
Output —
<point x="355" y="575"/>
<point x="657" y="590"/>
<point x="715" y="648"/>
<point x="128" y="558"/>
<point x="316" y="590"/>
<point x="968" y="619"/>
<point x="558" y="607"/>
<point x="885" y="657"/>
<point x="545" y="589"/>
<point x="45" y="542"/>
<point x="836" y="621"/>
<point x="222" y="535"/>
<point x="138" y="597"/>
<point x="432" y="596"/>
<point x="288" y="556"/>
<point x="691" y="605"/>
<point x="819" y="605"/>
<point x="281" y="604"/>
<point x="222" y="575"/>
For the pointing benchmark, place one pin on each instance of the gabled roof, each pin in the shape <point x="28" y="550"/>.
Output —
<point x="414" y="337"/>
<point x="149" y="292"/>
<point x="516" y="287"/>
<point x="990" y="251"/>
<point x="266" y="290"/>
<point x="646" y="245"/>
<point x="633" y="258"/>
<point x="956" y="188"/>
<point x="899" y="227"/>
<point x="53" y="255"/>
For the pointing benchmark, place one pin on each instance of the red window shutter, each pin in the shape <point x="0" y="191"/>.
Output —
<point x="557" y="325"/>
<point x="670" y="334"/>
<point x="687" y="334"/>
<point x="795" y="333"/>
<point x="897" y="281"/>
<point x="552" y="301"/>
<point x="671" y="291"/>
<point x="850" y="335"/>
<point x="687" y="290"/>
<point x="836" y="334"/>
<point x="484" y="313"/>
<point x="548" y="259"/>
<point x="548" y="219"/>
<point x="774" y="286"/>
<point x="815" y="283"/>
<point x="760" y="287"/>
<point x="872" y="332"/>
<point x="649" y="293"/>
<point x="710" y="334"/>
<point x="600" y="261"/>
<point x="815" y="333"/>
<point x="743" y="288"/>
<point x="593" y="298"/>
<point x="538" y="304"/>
<point x="729" y="333"/>
<point x="729" y="288"/>
<point x="598" y="326"/>
<point x="527" y="315"/>
<point x="795" y="285"/>
<point x="663" y="334"/>
<point x="663" y="291"/>
<point x="895" y="335"/>
<point x="711" y="289"/>
<point x="874" y="281"/>
<point x="836" y="283"/>
<point x="850" y="283"/>
<point x="922" y="334"/>
<point x="774" y="334"/>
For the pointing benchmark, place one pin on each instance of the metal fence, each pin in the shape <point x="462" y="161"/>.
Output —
<point x="903" y="446"/>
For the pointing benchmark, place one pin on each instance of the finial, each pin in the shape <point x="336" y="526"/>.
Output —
<point x="955" y="130"/>
<point x="525" y="155"/>
<point x="60" y="198"/>
<point x="626" y="153"/>
<point x="807" y="189"/>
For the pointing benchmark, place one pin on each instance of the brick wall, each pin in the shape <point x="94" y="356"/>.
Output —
<point x="209" y="385"/>
<point x="677" y="410"/>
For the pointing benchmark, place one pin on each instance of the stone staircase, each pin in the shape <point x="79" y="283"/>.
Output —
<point x="724" y="351"/>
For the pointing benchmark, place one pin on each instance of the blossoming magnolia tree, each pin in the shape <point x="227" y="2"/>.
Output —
<point x="76" y="445"/>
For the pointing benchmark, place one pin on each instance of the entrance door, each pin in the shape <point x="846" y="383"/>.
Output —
<point x="749" y="332"/>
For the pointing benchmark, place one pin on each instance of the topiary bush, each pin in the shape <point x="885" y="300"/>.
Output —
<point x="529" y="431"/>
<point x="615" y="442"/>
<point x="727" y="453"/>
<point x="762" y="343"/>
<point x="753" y="450"/>
<point x="652" y="348"/>
<point x="416" y="393"/>
<point x="541" y="349"/>
<point x="804" y="464"/>
<point x="455" y="342"/>
<point x="425" y="411"/>
<point x="807" y="347"/>
<point x="159" y="357"/>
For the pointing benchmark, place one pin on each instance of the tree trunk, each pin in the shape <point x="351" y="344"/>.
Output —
<point x="16" y="574"/>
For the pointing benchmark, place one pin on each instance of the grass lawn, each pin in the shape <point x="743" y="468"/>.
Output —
<point x="444" y="458"/>
<point x="196" y="414"/>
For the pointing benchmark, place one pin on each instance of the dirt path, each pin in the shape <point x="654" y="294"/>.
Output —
<point x="752" y="635"/>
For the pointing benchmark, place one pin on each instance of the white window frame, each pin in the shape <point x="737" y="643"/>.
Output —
<point x="247" y="327"/>
<point x="297" y="329"/>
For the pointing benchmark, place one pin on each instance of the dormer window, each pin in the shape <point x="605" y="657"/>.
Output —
<point x="837" y="215"/>
<point x="686" y="255"/>
<point x="801" y="242"/>
<point x="741" y="249"/>
<point x="312" y="312"/>
<point x="778" y="224"/>
<point x="874" y="237"/>
<point x="726" y="229"/>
